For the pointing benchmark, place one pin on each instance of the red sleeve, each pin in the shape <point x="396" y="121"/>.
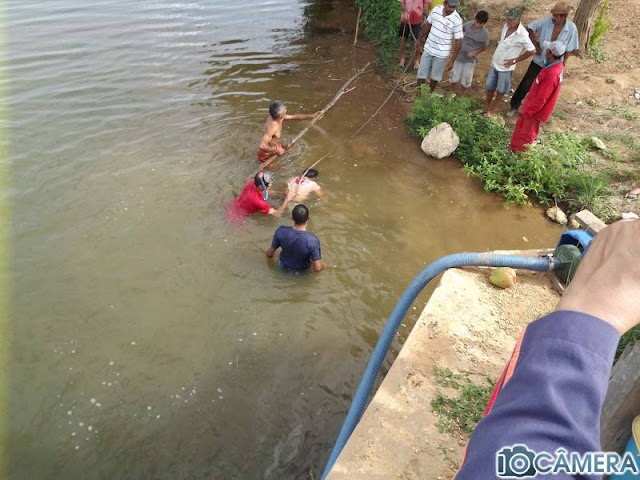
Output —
<point x="543" y="88"/>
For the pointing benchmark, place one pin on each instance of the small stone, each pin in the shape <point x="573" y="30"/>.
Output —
<point x="574" y="224"/>
<point x="630" y="216"/>
<point x="598" y="144"/>
<point x="93" y="400"/>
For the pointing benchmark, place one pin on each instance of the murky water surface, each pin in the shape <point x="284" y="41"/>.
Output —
<point x="148" y="338"/>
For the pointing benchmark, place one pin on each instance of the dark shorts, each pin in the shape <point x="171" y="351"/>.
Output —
<point x="404" y="31"/>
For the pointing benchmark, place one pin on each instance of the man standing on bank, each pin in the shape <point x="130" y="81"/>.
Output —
<point x="410" y="24"/>
<point x="476" y="40"/>
<point x="514" y="46"/>
<point x="443" y="31"/>
<point x="550" y="29"/>
<point x="542" y="98"/>
<point x="300" y="249"/>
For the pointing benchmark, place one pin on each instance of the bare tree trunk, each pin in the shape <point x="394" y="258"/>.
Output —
<point x="585" y="16"/>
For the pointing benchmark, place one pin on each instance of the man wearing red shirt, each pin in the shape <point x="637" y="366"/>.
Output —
<point x="254" y="198"/>
<point x="411" y="23"/>
<point x="542" y="97"/>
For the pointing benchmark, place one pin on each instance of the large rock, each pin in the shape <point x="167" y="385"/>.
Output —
<point x="441" y="141"/>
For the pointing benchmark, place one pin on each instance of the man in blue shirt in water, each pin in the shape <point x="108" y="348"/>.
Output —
<point x="300" y="249"/>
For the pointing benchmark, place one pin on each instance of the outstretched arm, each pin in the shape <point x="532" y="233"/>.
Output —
<point x="302" y="116"/>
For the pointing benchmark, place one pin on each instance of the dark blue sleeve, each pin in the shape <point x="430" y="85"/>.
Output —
<point x="314" y="246"/>
<point x="555" y="395"/>
<point x="275" y="243"/>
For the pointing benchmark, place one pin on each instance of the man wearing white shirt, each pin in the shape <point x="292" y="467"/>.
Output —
<point x="514" y="46"/>
<point x="443" y="30"/>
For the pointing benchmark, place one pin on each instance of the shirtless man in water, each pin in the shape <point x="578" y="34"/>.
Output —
<point x="270" y="141"/>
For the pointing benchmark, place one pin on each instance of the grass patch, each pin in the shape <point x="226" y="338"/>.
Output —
<point x="596" y="53"/>
<point x="629" y="338"/>
<point x="552" y="172"/>
<point x="381" y="20"/>
<point x="459" y="415"/>
<point x="601" y="25"/>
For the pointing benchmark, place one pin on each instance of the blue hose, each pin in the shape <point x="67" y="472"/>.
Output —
<point x="410" y="294"/>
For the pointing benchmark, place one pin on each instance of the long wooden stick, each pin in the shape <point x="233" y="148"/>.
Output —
<point x="375" y="113"/>
<point x="354" y="133"/>
<point x="344" y="89"/>
<point x="355" y="38"/>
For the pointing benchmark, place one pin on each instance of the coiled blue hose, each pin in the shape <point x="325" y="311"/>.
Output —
<point x="410" y="294"/>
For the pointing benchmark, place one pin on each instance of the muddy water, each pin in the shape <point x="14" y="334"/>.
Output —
<point x="148" y="338"/>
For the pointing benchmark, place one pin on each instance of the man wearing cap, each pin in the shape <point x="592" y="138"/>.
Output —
<point x="550" y="29"/>
<point x="443" y="31"/>
<point x="514" y="46"/>
<point x="300" y="249"/>
<point x="542" y="97"/>
<point x="254" y="199"/>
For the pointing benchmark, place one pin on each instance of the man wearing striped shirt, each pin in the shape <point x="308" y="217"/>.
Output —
<point x="443" y="30"/>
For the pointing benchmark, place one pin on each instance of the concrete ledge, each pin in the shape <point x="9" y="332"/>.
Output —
<point x="467" y="325"/>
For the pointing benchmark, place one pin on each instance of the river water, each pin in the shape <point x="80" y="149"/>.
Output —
<point x="147" y="337"/>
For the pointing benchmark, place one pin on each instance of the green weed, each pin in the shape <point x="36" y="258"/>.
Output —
<point x="459" y="415"/>
<point x="601" y="25"/>
<point x="596" y="53"/>
<point x="629" y="338"/>
<point x="381" y="20"/>
<point x="548" y="173"/>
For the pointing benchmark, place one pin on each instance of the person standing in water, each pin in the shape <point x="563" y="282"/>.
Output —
<point x="300" y="249"/>
<point x="270" y="141"/>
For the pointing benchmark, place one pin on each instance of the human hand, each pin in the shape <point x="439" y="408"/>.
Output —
<point x="470" y="54"/>
<point x="509" y="62"/>
<point x="449" y="65"/>
<point x="280" y="150"/>
<point x="607" y="281"/>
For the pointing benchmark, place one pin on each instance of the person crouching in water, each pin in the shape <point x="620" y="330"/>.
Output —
<point x="304" y="185"/>
<point x="254" y="198"/>
<point x="541" y="100"/>
<point x="300" y="249"/>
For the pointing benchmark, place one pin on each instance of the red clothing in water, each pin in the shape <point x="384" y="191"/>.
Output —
<point x="249" y="201"/>
<point x="538" y="106"/>
<point x="264" y="156"/>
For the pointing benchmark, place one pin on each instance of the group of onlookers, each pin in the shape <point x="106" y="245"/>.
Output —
<point x="446" y="43"/>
